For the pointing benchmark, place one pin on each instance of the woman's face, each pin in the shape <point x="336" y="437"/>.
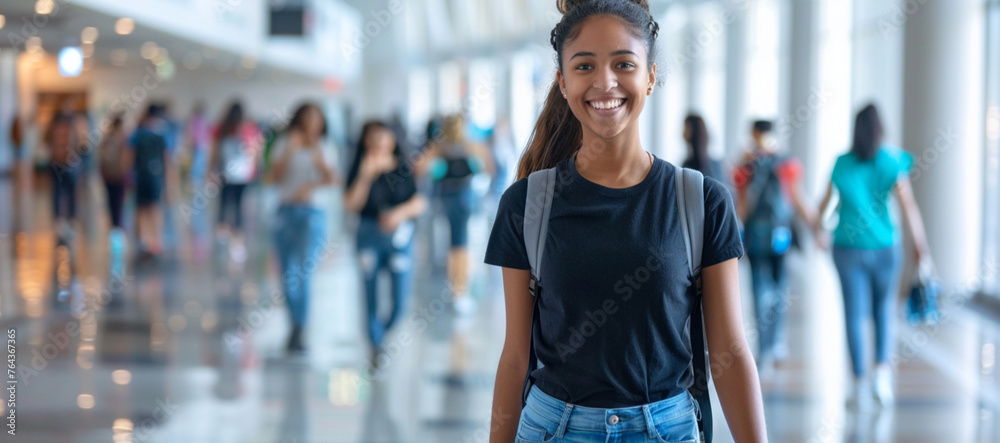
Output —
<point x="380" y="142"/>
<point x="605" y="76"/>
<point x="312" y="121"/>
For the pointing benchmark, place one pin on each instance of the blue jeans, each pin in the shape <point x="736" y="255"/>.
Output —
<point x="458" y="208"/>
<point x="297" y="237"/>
<point x="770" y="291"/>
<point x="379" y="251"/>
<point x="868" y="278"/>
<point x="545" y="418"/>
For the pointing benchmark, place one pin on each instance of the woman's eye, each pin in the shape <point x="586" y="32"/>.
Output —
<point x="584" y="67"/>
<point x="626" y="65"/>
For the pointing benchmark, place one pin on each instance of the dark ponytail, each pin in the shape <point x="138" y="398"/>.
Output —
<point x="697" y="141"/>
<point x="558" y="133"/>
<point x="867" y="133"/>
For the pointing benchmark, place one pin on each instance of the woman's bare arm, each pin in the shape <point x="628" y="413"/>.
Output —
<point x="513" y="366"/>
<point x="733" y="368"/>
<point x="911" y="216"/>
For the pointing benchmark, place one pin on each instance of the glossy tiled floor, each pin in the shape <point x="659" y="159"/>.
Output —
<point x="191" y="349"/>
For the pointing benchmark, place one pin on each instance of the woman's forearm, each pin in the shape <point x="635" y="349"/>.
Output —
<point x="357" y="194"/>
<point x="911" y="215"/>
<point x="414" y="207"/>
<point x="507" y="398"/>
<point x="739" y="394"/>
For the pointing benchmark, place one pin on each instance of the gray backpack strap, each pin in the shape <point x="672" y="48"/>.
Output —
<point x="537" y="206"/>
<point x="690" y="185"/>
<point x="690" y="192"/>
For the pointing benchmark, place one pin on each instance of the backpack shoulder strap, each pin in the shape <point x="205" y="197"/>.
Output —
<point x="690" y="194"/>
<point x="690" y="186"/>
<point x="537" y="206"/>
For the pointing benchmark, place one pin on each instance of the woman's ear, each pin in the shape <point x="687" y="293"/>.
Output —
<point x="652" y="79"/>
<point x="562" y="83"/>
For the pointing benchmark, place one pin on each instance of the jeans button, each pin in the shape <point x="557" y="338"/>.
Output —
<point x="613" y="419"/>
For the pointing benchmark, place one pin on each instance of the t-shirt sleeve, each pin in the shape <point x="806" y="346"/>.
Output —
<point x="722" y="232"/>
<point x="790" y="172"/>
<point x="506" y="246"/>
<point x="905" y="162"/>
<point x="278" y="149"/>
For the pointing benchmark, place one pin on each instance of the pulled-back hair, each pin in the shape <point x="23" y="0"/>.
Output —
<point x="867" y="133"/>
<point x="558" y="133"/>
<point x="698" y="141"/>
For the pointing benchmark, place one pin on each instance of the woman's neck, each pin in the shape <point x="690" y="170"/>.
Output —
<point x="619" y="162"/>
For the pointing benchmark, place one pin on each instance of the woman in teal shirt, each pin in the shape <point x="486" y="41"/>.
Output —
<point x="865" y="246"/>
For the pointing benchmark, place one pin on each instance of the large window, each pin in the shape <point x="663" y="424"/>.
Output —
<point x="991" y="247"/>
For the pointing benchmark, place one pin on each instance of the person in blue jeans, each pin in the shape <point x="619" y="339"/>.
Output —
<point x="609" y="321"/>
<point x="381" y="188"/>
<point x="865" y="246"/>
<point x="302" y="166"/>
<point x="768" y="185"/>
<point x="453" y="162"/>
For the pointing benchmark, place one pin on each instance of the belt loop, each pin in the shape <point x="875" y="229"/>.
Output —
<point x="697" y="406"/>
<point x="650" y="424"/>
<point x="564" y="422"/>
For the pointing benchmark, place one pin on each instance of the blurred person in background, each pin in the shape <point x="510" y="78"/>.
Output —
<point x="198" y="140"/>
<point x="302" y="163"/>
<point x="233" y="157"/>
<point x="114" y="164"/>
<point x="66" y="139"/>
<point x="452" y="162"/>
<point x="696" y="137"/>
<point x="767" y="184"/>
<point x="150" y="167"/>
<point x="504" y="154"/>
<point x="382" y="190"/>
<point x="866" y="249"/>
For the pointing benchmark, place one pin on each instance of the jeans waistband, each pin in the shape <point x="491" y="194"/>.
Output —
<point x="614" y="419"/>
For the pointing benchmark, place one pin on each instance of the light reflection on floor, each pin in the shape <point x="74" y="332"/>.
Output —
<point x="190" y="350"/>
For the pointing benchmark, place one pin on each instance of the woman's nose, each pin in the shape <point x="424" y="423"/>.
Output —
<point x="606" y="80"/>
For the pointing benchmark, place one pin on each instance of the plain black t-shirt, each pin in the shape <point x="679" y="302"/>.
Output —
<point x="388" y="191"/>
<point x="616" y="296"/>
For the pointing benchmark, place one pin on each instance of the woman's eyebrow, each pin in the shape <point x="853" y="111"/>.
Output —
<point x="591" y="54"/>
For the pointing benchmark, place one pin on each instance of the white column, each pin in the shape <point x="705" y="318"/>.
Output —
<point x="8" y="102"/>
<point x="694" y="67"/>
<point x="736" y="124"/>
<point x="797" y="127"/>
<point x="942" y="121"/>
<point x="877" y="54"/>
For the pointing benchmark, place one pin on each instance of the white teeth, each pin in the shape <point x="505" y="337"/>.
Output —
<point x="608" y="104"/>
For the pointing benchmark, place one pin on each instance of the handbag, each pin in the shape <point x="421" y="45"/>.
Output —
<point x="922" y="304"/>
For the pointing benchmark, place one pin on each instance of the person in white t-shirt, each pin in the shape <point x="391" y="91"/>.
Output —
<point x="234" y="159"/>
<point x="301" y="165"/>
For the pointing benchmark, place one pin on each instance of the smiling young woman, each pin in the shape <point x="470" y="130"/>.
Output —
<point x="628" y="373"/>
